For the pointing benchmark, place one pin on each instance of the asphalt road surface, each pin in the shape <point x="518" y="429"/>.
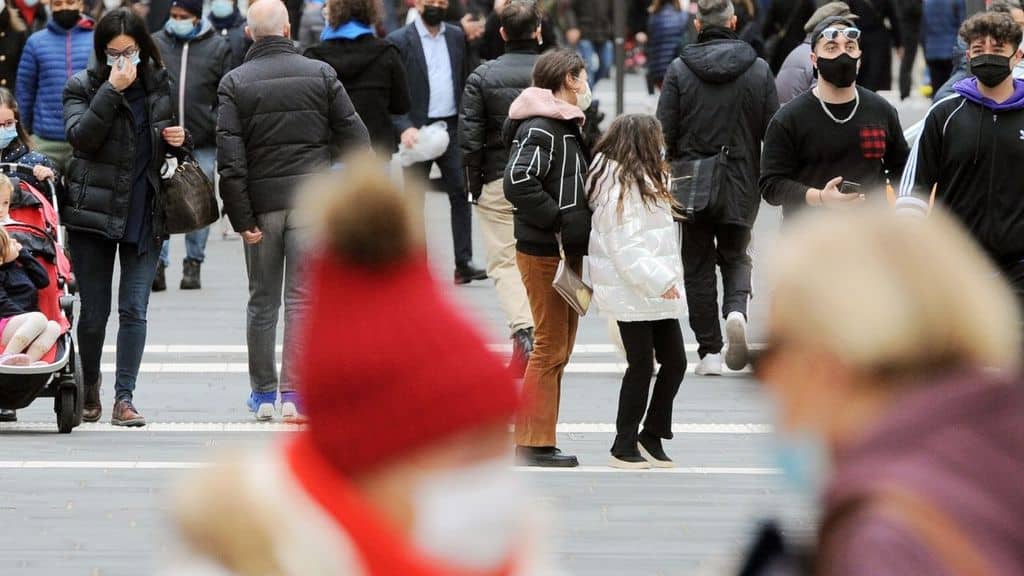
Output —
<point x="94" y="502"/>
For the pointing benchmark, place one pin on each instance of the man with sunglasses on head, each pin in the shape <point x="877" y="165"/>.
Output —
<point x="970" y="155"/>
<point x="837" y="144"/>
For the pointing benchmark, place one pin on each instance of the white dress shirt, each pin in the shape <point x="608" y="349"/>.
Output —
<point x="439" y="72"/>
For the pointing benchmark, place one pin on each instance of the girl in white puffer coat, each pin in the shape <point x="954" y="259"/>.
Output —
<point x="637" y="273"/>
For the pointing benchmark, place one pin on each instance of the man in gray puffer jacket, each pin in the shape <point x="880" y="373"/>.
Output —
<point x="197" y="58"/>
<point x="282" y="117"/>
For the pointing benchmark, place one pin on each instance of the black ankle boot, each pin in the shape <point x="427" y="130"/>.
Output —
<point x="651" y="449"/>
<point x="160" y="280"/>
<point x="190" y="275"/>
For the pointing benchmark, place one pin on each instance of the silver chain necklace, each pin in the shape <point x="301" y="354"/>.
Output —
<point x="856" y="105"/>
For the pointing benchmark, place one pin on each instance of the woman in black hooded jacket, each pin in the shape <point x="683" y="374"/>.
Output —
<point x="545" y="183"/>
<point x="369" y="67"/>
<point x="120" y="122"/>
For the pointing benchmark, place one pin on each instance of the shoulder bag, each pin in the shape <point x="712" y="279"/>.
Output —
<point x="570" y="286"/>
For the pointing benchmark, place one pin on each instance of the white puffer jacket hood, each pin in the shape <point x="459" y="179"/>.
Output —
<point x="634" y="254"/>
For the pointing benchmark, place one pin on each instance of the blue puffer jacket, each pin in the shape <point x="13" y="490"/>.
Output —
<point x="940" y="26"/>
<point x="50" y="58"/>
<point x="665" y="31"/>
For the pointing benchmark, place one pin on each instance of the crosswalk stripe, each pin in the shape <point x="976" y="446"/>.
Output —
<point x="242" y="349"/>
<point x="274" y="427"/>
<point x="190" y="465"/>
<point x="243" y="368"/>
<point x="203" y="349"/>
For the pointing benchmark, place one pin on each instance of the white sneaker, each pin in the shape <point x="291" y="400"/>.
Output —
<point x="290" y="413"/>
<point x="265" y="412"/>
<point x="710" y="365"/>
<point x="736" y="355"/>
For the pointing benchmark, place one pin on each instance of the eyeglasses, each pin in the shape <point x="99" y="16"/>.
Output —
<point x="9" y="124"/>
<point x="830" y="34"/>
<point x="128" y="53"/>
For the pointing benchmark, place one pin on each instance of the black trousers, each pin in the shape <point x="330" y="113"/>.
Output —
<point x="643" y="342"/>
<point x="939" y="72"/>
<point x="705" y="245"/>
<point x="452" y="182"/>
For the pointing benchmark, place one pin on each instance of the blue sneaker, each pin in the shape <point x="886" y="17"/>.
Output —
<point x="262" y="405"/>
<point x="291" y="408"/>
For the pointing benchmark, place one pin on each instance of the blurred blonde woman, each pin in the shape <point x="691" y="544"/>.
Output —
<point x="893" y="355"/>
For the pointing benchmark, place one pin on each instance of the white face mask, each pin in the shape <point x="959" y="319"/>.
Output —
<point x="471" y="517"/>
<point x="585" y="99"/>
<point x="111" y="4"/>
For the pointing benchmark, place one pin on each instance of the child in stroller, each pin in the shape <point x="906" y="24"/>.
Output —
<point x="26" y="335"/>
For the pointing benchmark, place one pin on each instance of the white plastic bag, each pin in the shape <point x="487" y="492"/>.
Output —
<point x="432" y="143"/>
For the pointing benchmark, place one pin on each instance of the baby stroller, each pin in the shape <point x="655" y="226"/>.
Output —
<point x="37" y="227"/>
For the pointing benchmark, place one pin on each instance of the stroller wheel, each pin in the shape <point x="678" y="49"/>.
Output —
<point x="66" y="399"/>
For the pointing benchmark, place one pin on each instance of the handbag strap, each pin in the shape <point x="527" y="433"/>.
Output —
<point x="561" y="247"/>
<point x="939" y="534"/>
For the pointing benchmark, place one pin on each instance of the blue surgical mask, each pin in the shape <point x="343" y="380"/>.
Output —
<point x="112" y="61"/>
<point x="804" y="461"/>
<point x="180" y="28"/>
<point x="8" y="135"/>
<point x="222" y="8"/>
<point x="31" y="3"/>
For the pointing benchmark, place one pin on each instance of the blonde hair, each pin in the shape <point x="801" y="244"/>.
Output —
<point x="5" y="243"/>
<point x="887" y="293"/>
<point x="6" y="185"/>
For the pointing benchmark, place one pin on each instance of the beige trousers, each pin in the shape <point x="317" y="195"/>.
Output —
<point x="495" y="215"/>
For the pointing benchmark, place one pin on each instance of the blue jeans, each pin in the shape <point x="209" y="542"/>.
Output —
<point x="93" y="257"/>
<point x="195" y="242"/>
<point x="605" y="53"/>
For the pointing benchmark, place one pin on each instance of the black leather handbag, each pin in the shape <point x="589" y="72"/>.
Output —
<point x="189" y="201"/>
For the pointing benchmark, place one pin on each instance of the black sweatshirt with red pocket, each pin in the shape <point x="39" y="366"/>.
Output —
<point x="804" y="148"/>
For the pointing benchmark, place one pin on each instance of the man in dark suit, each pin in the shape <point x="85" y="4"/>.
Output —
<point x="434" y="56"/>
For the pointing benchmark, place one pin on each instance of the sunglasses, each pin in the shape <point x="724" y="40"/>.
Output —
<point x="830" y="34"/>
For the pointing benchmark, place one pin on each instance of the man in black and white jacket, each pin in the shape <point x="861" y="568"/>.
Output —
<point x="970" y="155"/>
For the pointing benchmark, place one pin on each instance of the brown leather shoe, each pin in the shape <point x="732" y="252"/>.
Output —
<point x="125" y="414"/>
<point x="92" y="410"/>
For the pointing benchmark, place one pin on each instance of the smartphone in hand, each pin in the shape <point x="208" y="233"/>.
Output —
<point x="848" y="187"/>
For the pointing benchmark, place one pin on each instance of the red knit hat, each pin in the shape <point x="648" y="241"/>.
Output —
<point x="388" y="365"/>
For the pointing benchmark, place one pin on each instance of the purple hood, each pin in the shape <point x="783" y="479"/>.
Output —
<point x="958" y="443"/>
<point x="968" y="88"/>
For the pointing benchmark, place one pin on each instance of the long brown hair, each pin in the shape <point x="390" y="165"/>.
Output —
<point x="7" y="100"/>
<point x="635" y="142"/>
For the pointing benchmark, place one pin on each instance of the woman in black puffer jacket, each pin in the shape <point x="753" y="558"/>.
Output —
<point x="545" y="182"/>
<point x="120" y="121"/>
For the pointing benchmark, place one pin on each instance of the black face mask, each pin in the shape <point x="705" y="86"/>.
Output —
<point x="433" y="15"/>
<point x="840" y="72"/>
<point x="990" y="69"/>
<point x="67" y="19"/>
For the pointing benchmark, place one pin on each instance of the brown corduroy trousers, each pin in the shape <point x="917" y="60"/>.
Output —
<point x="554" y="335"/>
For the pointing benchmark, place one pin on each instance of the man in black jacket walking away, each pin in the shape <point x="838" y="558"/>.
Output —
<point x="282" y="117"/>
<point x="490" y="90"/>
<point x="719" y="77"/>
<point x="970" y="155"/>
